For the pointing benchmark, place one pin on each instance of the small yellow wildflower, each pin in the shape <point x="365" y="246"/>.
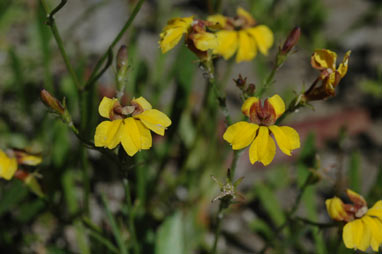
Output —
<point x="8" y="166"/>
<point x="257" y="132"/>
<point x="324" y="60"/>
<point x="197" y="38"/>
<point x="129" y="125"/>
<point x="363" y="227"/>
<point x="242" y="35"/>
<point x="9" y="162"/>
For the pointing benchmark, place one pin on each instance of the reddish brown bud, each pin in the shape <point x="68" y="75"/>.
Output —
<point x="251" y="90"/>
<point x="51" y="102"/>
<point x="240" y="82"/>
<point x="291" y="40"/>
<point x="122" y="57"/>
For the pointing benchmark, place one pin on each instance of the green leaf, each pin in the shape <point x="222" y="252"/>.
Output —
<point x="12" y="196"/>
<point x="169" y="238"/>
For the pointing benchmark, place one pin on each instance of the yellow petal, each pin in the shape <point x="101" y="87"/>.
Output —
<point x="146" y="139"/>
<point x="173" y="32"/>
<point x="263" y="37"/>
<point x="343" y="68"/>
<point x="240" y="134"/>
<point x="130" y="136"/>
<point x="227" y="43"/>
<point x="282" y="139"/>
<point x="29" y="159"/>
<point x="108" y="134"/>
<point x="335" y="209"/>
<point x="323" y="59"/>
<point x="263" y="148"/>
<point x="205" y="41"/>
<point x="106" y="106"/>
<point x="356" y="235"/>
<point x="356" y="198"/>
<point x="154" y="120"/>
<point x="376" y="210"/>
<point x="143" y="103"/>
<point x="8" y="166"/>
<point x="375" y="227"/>
<point x="246" y="15"/>
<point x="278" y="104"/>
<point x="292" y="134"/>
<point x="246" y="48"/>
<point x="218" y="19"/>
<point x="247" y="105"/>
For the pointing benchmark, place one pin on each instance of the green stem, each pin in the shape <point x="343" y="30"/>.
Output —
<point x="268" y="81"/>
<point x="131" y="216"/>
<point x="291" y="213"/>
<point x="52" y="24"/>
<point x="85" y="178"/>
<point x="236" y="155"/>
<point x="317" y="224"/>
<point x="218" y="94"/>
<point x="219" y="217"/>
<point x="95" y="75"/>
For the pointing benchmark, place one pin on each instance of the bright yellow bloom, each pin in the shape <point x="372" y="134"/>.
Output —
<point x="9" y="163"/>
<point x="324" y="60"/>
<point x="364" y="226"/>
<point x="8" y="166"/>
<point x="257" y="132"/>
<point x="195" y="31"/>
<point x="241" y="35"/>
<point x="129" y="125"/>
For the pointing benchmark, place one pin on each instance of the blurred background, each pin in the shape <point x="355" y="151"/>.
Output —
<point x="171" y="184"/>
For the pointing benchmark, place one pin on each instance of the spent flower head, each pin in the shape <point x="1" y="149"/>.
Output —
<point x="324" y="86"/>
<point x="363" y="228"/>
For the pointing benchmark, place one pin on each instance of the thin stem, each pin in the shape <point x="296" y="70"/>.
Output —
<point x="219" y="217"/>
<point x="268" y="81"/>
<point x="219" y="96"/>
<point x="100" y="62"/>
<point x="236" y="155"/>
<point x="85" y="178"/>
<point x="52" y="24"/>
<point x="131" y="216"/>
<point x="317" y="224"/>
<point x="290" y="214"/>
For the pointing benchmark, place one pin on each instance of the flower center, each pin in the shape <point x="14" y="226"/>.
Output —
<point x="262" y="114"/>
<point x="119" y="112"/>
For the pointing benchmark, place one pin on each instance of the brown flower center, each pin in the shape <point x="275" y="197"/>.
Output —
<point x="262" y="114"/>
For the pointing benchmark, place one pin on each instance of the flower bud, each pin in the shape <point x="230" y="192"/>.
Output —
<point x="122" y="60"/>
<point x="51" y="102"/>
<point x="240" y="82"/>
<point x="291" y="40"/>
<point x="250" y="90"/>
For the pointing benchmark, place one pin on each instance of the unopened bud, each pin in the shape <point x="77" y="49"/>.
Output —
<point x="250" y="90"/>
<point x="240" y="82"/>
<point x="122" y="60"/>
<point x="291" y="40"/>
<point x="51" y="102"/>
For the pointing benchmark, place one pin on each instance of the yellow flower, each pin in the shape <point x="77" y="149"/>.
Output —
<point x="241" y="35"/>
<point x="129" y="125"/>
<point x="324" y="60"/>
<point x="195" y="31"/>
<point x="363" y="227"/>
<point x="257" y="132"/>
<point x="8" y="166"/>
<point x="9" y="163"/>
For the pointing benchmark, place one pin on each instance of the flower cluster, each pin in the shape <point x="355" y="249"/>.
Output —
<point x="129" y="125"/>
<point x="363" y="227"/>
<point x="324" y="60"/>
<point x="257" y="132"/>
<point x="222" y="35"/>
